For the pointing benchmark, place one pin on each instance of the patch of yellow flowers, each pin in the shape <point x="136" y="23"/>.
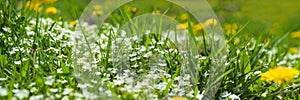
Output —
<point x="36" y="5"/>
<point x="293" y="50"/>
<point x="280" y="75"/>
<point x="179" y="98"/>
<point x="51" y="10"/>
<point x="97" y="10"/>
<point x="73" y="23"/>
<point x="231" y="28"/>
<point x="295" y="34"/>
<point x="198" y="26"/>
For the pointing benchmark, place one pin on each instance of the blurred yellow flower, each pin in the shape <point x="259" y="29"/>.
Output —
<point x="236" y="41"/>
<point x="51" y="10"/>
<point x="97" y="7"/>
<point x="133" y="9"/>
<point x="156" y="12"/>
<point x="34" y="5"/>
<point x="182" y="26"/>
<point x="197" y="27"/>
<point x="293" y="50"/>
<point x="73" y="23"/>
<point x="49" y="1"/>
<point x="280" y="75"/>
<point x="173" y="16"/>
<point x="97" y="10"/>
<point x="210" y="22"/>
<point x="295" y="34"/>
<point x="231" y="28"/>
<point x="179" y="98"/>
<point x="184" y="16"/>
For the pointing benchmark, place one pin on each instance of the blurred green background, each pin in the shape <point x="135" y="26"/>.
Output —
<point x="276" y="17"/>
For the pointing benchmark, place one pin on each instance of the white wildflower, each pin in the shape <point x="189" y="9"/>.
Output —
<point x="147" y="54"/>
<point x="135" y="66"/>
<point x="67" y="91"/>
<point x="34" y="89"/>
<point x="59" y="70"/>
<point x="133" y="54"/>
<point x="79" y="95"/>
<point x="58" y="95"/>
<point x="65" y="98"/>
<point x="133" y="59"/>
<point x="50" y="80"/>
<point x="234" y="97"/>
<point x="24" y="59"/>
<point x="200" y="96"/>
<point x="21" y="94"/>
<point x="161" y="86"/>
<point x="3" y="92"/>
<point x="17" y="62"/>
<point x="162" y="64"/>
<point x="123" y="33"/>
<point x="135" y="38"/>
<point x="118" y="82"/>
<point x="225" y="94"/>
<point x="83" y="86"/>
<point x="257" y="72"/>
<point x="3" y="79"/>
<point x="88" y="95"/>
<point x="16" y="85"/>
<point x="30" y="33"/>
<point x="160" y="43"/>
<point x="37" y="97"/>
<point x="54" y="90"/>
<point x="98" y="73"/>
<point x="6" y="29"/>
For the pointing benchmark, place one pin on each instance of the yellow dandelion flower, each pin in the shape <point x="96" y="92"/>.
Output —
<point x="34" y="5"/>
<point x="295" y="34"/>
<point x="49" y="1"/>
<point x="156" y="12"/>
<point x="37" y="8"/>
<point x="231" y="28"/>
<point x="73" y="23"/>
<point x="210" y="22"/>
<point x="184" y="16"/>
<point x="182" y="26"/>
<point x="179" y="98"/>
<point x="293" y="50"/>
<point x="51" y="10"/>
<point x="280" y="75"/>
<point x="98" y="12"/>
<point x="133" y="9"/>
<point x="97" y="7"/>
<point x="173" y="16"/>
<point x="28" y="3"/>
<point x="197" y="27"/>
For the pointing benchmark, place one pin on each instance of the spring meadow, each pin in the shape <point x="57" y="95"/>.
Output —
<point x="149" y="50"/>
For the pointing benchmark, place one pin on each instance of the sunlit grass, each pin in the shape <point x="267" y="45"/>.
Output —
<point x="36" y="57"/>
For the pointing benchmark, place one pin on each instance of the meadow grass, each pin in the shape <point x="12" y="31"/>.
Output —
<point x="37" y="61"/>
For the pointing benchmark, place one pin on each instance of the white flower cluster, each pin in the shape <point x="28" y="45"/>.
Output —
<point x="137" y="68"/>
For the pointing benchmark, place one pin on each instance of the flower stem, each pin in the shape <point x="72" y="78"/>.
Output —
<point x="282" y="92"/>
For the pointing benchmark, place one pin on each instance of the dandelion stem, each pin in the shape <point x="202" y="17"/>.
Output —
<point x="282" y="92"/>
